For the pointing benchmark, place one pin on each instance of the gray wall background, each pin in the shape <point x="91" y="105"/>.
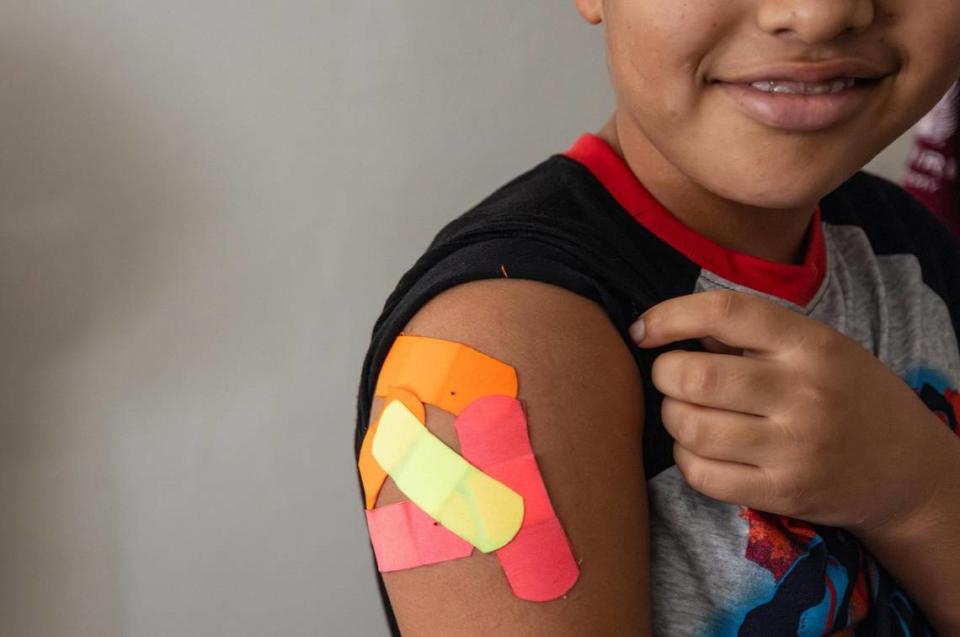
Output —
<point x="203" y="206"/>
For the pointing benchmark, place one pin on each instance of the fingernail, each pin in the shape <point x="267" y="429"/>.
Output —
<point x="638" y="330"/>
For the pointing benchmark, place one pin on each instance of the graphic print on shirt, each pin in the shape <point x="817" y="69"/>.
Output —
<point x="819" y="579"/>
<point x="823" y="583"/>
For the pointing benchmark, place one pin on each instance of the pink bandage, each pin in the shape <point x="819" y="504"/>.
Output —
<point x="403" y="536"/>
<point x="538" y="562"/>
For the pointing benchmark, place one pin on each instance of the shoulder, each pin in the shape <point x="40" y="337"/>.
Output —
<point x="549" y="224"/>
<point x="582" y="396"/>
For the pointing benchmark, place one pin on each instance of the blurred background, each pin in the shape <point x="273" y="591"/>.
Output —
<point x="203" y="206"/>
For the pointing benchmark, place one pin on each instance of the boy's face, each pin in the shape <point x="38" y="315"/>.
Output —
<point x="684" y="72"/>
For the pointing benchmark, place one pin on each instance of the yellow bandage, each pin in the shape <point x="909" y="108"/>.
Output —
<point x="453" y="492"/>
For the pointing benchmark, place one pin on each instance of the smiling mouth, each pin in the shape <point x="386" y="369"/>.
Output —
<point x="801" y="106"/>
<point x="791" y="87"/>
<point x="804" y="88"/>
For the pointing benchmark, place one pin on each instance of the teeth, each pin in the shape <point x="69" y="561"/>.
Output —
<point x="804" y="88"/>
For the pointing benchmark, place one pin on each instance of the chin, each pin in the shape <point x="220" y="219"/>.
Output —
<point x="771" y="190"/>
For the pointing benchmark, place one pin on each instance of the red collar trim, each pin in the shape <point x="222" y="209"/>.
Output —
<point x="795" y="283"/>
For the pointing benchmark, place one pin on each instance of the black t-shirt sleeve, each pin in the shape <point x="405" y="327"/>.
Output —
<point x="446" y="265"/>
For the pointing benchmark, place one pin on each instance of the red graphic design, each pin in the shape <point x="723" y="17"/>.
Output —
<point x="776" y="541"/>
<point x="802" y="560"/>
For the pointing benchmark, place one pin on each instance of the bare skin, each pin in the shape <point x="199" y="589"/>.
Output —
<point x="584" y="403"/>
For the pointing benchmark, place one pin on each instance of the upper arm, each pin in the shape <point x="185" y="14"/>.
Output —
<point x="583" y="399"/>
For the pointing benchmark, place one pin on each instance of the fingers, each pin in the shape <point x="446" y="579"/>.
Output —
<point x="735" y="319"/>
<point x="721" y="381"/>
<point x="713" y="345"/>
<point x="718" y="434"/>
<point x="731" y="482"/>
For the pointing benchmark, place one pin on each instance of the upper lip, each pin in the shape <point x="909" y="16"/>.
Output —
<point x="809" y="72"/>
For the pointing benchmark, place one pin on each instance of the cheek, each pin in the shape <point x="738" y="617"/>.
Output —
<point x="929" y="39"/>
<point x="655" y="50"/>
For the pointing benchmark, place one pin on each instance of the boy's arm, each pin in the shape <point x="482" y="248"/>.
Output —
<point x="923" y="553"/>
<point x="583" y="399"/>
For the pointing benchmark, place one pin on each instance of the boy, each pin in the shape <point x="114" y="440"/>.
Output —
<point x="769" y="451"/>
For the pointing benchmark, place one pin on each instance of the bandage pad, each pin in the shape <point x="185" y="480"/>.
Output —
<point x="372" y="475"/>
<point x="539" y="562"/>
<point x="471" y="504"/>
<point x="442" y="373"/>
<point x="403" y="536"/>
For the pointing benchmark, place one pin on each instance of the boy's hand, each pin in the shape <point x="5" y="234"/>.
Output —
<point x="802" y="422"/>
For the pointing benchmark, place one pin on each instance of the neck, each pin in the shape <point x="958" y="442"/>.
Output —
<point x="776" y="235"/>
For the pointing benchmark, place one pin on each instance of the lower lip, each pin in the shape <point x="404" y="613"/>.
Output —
<point x="799" y="113"/>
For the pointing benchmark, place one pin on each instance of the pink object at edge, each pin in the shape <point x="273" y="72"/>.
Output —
<point x="404" y="536"/>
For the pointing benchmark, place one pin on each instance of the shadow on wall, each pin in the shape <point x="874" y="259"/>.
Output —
<point x="82" y="201"/>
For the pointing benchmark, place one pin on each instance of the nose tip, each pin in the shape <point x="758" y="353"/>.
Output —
<point x="815" y="21"/>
